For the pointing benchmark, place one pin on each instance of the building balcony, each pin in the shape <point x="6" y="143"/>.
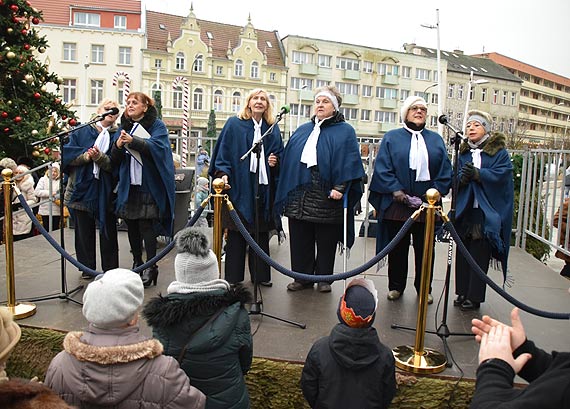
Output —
<point x="325" y="73"/>
<point x="389" y="103"/>
<point x="390" y="79"/>
<point x="308" y="69"/>
<point x="351" y="75"/>
<point x="350" y="99"/>
<point x="385" y="127"/>
<point x="305" y="95"/>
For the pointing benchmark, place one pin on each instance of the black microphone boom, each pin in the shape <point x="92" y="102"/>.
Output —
<point x="112" y="111"/>
<point x="442" y="119"/>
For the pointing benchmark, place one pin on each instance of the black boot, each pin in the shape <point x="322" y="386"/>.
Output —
<point x="150" y="276"/>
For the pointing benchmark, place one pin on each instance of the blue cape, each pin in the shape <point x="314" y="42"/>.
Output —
<point x="235" y="140"/>
<point x="339" y="161"/>
<point x="94" y="194"/>
<point x="157" y="177"/>
<point x="392" y="173"/>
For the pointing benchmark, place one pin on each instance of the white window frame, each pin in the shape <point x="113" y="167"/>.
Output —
<point x="120" y="22"/>
<point x="254" y="69"/>
<point x="96" y="93"/>
<point x="97" y="54"/>
<point x="69" y="93"/>
<point x="69" y="52"/>
<point x="125" y="55"/>
<point x="86" y="19"/>
<point x="238" y="68"/>
<point x="343" y="63"/>
<point x="180" y="61"/>
<point x="324" y="60"/>
<point x="301" y="57"/>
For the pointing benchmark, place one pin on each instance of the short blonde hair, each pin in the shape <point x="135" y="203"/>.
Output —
<point x="105" y="103"/>
<point x="245" y="112"/>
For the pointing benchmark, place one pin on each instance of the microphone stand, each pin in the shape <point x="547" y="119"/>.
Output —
<point x="64" y="294"/>
<point x="256" y="307"/>
<point x="442" y="330"/>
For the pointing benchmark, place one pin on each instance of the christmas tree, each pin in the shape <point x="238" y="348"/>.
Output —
<point x="28" y="112"/>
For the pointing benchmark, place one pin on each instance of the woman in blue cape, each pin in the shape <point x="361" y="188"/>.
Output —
<point x="484" y="207"/>
<point x="89" y="192"/>
<point x="321" y="167"/>
<point x="236" y="138"/>
<point x="145" y="193"/>
<point x="411" y="160"/>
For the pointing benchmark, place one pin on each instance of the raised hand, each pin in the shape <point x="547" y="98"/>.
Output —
<point x="497" y="344"/>
<point x="518" y="335"/>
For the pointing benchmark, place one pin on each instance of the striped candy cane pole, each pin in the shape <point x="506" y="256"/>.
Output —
<point x="126" y="84"/>
<point x="185" y="113"/>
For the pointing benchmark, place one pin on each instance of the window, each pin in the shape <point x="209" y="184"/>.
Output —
<point x="236" y="101"/>
<point x="450" y="90"/>
<point x="87" y="19"/>
<point x="157" y="63"/>
<point x="238" y="68"/>
<point x="198" y="99"/>
<point x="513" y="98"/>
<point x="368" y="67"/>
<point x="324" y="61"/>
<point x="367" y="90"/>
<point x="180" y="63"/>
<point x="460" y="91"/>
<point x="349" y="113"/>
<point x="69" y="90"/>
<point x="347" y="64"/>
<point x="219" y="70"/>
<point x="385" y="117"/>
<point x="422" y="74"/>
<point x="121" y="22"/>
<point x="388" y="69"/>
<point x="97" y="54"/>
<point x="177" y="95"/>
<point x="69" y="52"/>
<point x="198" y="64"/>
<point x="347" y="89"/>
<point x="322" y="83"/>
<point x="125" y="55"/>
<point x="495" y="96"/>
<point x="272" y="76"/>
<point x="433" y="121"/>
<point x="386" y="93"/>
<point x="298" y="83"/>
<point x="504" y="98"/>
<point x="218" y="100"/>
<point x="254" y="70"/>
<point x="494" y="127"/>
<point x="96" y="91"/>
<point x="472" y="94"/>
<point x="300" y="57"/>
<point x="406" y="72"/>
<point x="511" y="125"/>
<point x="365" y="114"/>
<point x="120" y="91"/>
<point x="404" y="93"/>
<point x="483" y="94"/>
<point x="434" y="98"/>
<point x="435" y="76"/>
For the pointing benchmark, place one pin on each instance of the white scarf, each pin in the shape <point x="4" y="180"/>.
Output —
<point x="101" y="143"/>
<point x="419" y="159"/>
<point x="263" y="180"/>
<point x="135" y="172"/>
<point x="476" y="158"/>
<point x="309" y="154"/>
<point x="179" y="287"/>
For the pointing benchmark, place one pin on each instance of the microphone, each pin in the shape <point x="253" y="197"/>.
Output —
<point x="284" y="110"/>
<point x="112" y="111"/>
<point x="442" y="119"/>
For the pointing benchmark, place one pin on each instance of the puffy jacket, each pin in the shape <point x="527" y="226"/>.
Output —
<point x="21" y="223"/>
<point x="119" y="368"/>
<point x="219" y="354"/>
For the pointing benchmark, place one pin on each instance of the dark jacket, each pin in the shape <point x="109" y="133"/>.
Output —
<point x="218" y="356"/>
<point x="548" y="376"/>
<point x="24" y="394"/>
<point x="119" y="368"/>
<point x="349" y="369"/>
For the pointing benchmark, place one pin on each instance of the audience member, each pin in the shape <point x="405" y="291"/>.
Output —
<point x="21" y="222"/>
<point x="47" y="190"/>
<point x="10" y="334"/>
<point x="203" y="159"/>
<point x="112" y="364"/>
<point x="504" y="352"/>
<point x="351" y="368"/>
<point x="29" y="164"/>
<point x="202" y="192"/>
<point x="9" y="163"/>
<point x="561" y="222"/>
<point x="202" y="321"/>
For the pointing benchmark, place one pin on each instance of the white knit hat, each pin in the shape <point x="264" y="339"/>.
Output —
<point x="113" y="298"/>
<point x="195" y="262"/>
<point x="411" y="100"/>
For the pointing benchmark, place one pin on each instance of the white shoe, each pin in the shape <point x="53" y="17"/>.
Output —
<point x="394" y="295"/>
<point x="430" y="299"/>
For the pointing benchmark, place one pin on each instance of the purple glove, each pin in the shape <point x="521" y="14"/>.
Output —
<point x="413" y="201"/>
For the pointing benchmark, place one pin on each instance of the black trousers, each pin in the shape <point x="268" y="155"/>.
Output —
<point x="85" y="232"/>
<point x="304" y="238"/>
<point x="398" y="258"/>
<point x="55" y="219"/>
<point x="141" y="231"/>
<point x="467" y="281"/>
<point x="236" y="247"/>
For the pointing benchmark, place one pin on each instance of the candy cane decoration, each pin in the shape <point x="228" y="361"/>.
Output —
<point x="185" y="114"/>
<point x="126" y="84"/>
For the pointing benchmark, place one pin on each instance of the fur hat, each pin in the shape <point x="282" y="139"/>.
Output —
<point x="357" y="307"/>
<point x="195" y="262"/>
<point x="9" y="333"/>
<point x="113" y="298"/>
<point x="482" y="117"/>
<point x="202" y="183"/>
<point x="410" y="101"/>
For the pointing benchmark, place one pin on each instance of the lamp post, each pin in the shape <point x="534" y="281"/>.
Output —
<point x="470" y="84"/>
<point x="546" y="121"/>
<point x="440" y="83"/>
<point x="84" y="98"/>
<point x="299" y="107"/>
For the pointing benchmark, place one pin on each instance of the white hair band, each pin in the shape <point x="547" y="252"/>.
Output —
<point x="330" y="96"/>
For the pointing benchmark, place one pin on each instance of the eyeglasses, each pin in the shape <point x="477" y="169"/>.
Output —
<point x="418" y="108"/>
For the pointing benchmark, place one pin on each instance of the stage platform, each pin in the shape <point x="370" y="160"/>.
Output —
<point x="39" y="273"/>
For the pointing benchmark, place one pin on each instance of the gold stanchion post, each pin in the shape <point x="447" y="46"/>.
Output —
<point x="218" y="185"/>
<point x="418" y="359"/>
<point x="20" y="310"/>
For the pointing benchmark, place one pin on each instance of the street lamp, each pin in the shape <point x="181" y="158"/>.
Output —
<point x="299" y="107"/>
<point x="546" y="121"/>
<point x="440" y="88"/>
<point x="425" y="90"/>
<point x="470" y="84"/>
<point x="84" y="97"/>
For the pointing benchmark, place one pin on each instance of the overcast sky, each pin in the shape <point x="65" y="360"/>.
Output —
<point x="531" y="31"/>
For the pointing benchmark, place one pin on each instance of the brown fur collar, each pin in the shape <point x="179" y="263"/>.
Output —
<point x="491" y="146"/>
<point x="72" y="344"/>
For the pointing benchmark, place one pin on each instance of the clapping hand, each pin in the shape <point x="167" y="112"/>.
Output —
<point x="497" y="344"/>
<point x="484" y="325"/>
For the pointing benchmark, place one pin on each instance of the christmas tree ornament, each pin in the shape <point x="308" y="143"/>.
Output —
<point x="18" y="119"/>
<point x="35" y="132"/>
<point x="29" y="78"/>
<point x="42" y="50"/>
<point x="4" y="114"/>
<point x="72" y="122"/>
<point x="10" y="55"/>
<point x="36" y="20"/>
<point x="9" y="30"/>
<point x="37" y="95"/>
<point x="35" y="153"/>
